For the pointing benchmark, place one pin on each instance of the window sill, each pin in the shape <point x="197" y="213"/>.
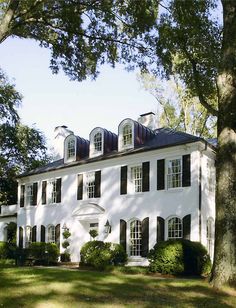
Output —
<point x="134" y="195"/>
<point x="173" y="190"/>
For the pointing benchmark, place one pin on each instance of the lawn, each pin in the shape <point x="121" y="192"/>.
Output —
<point x="56" y="287"/>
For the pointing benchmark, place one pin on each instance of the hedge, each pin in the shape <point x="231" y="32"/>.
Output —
<point x="100" y="254"/>
<point x="179" y="257"/>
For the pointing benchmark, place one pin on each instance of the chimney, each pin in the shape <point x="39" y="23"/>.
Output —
<point x="60" y="133"/>
<point x="149" y="120"/>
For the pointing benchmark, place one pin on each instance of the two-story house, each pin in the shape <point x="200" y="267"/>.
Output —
<point x="137" y="187"/>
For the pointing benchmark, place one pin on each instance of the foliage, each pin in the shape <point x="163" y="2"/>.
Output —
<point x="101" y="254"/>
<point x="81" y="35"/>
<point x="66" y="234"/>
<point x="11" y="232"/>
<point x="40" y="253"/>
<point x="7" y="250"/>
<point x="3" y="250"/>
<point x="65" y="256"/>
<point x="22" y="147"/>
<point x="93" y="233"/>
<point x="179" y="257"/>
<point x="177" y="108"/>
<point x="65" y="244"/>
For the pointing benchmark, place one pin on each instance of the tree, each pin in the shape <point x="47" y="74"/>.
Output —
<point x="22" y="147"/>
<point x="186" y="38"/>
<point x="177" y="108"/>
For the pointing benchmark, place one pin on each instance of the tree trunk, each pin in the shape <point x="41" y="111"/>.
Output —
<point x="224" y="267"/>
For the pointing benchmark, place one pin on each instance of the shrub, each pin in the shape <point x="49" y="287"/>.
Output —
<point x="179" y="257"/>
<point x="100" y="254"/>
<point x="3" y="250"/>
<point x="44" y="253"/>
<point x="65" y="244"/>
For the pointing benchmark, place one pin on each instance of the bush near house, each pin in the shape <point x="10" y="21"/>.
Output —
<point x="99" y="254"/>
<point x="3" y="250"/>
<point x="179" y="257"/>
<point x="38" y="253"/>
<point x="7" y="250"/>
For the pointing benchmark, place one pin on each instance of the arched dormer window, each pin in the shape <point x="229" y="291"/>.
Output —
<point x="126" y="135"/>
<point x="96" y="142"/>
<point x="70" y="148"/>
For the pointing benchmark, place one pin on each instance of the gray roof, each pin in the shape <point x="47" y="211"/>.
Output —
<point x="163" y="138"/>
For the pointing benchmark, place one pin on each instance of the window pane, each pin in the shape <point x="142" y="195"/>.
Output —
<point x="29" y="194"/>
<point x="51" y="234"/>
<point x="135" y="238"/>
<point x="90" y="185"/>
<point x="52" y="192"/>
<point x="175" y="228"/>
<point x="28" y="236"/>
<point x="174" y="173"/>
<point x="127" y="135"/>
<point x="136" y="178"/>
<point x="71" y="148"/>
<point x="98" y="142"/>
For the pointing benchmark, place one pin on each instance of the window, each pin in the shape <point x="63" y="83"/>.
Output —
<point x="29" y="194"/>
<point x="135" y="238"/>
<point x="97" y="142"/>
<point x="28" y="236"/>
<point x="174" y="173"/>
<point x="54" y="191"/>
<point x="90" y="184"/>
<point x="127" y="135"/>
<point x="174" y="228"/>
<point x="210" y="236"/>
<point x="51" y="234"/>
<point x="136" y="178"/>
<point x="52" y="187"/>
<point x="71" y="148"/>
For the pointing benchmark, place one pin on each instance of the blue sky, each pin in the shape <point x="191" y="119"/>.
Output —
<point x="52" y="100"/>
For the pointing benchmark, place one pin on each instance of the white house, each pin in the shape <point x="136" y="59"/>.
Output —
<point x="136" y="188"/>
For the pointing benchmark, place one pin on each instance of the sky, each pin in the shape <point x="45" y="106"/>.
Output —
<point x="53" y="100"/>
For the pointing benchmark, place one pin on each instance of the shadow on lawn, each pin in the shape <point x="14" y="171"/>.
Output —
<point x="30" y="287"/>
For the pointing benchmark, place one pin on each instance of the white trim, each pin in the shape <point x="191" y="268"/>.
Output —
<point x="66" y="142"/>
<point x="92" y="152"/>
<point x="121" y="146"/>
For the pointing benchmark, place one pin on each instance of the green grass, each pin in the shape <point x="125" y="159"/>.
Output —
<point x="57" y="287"/>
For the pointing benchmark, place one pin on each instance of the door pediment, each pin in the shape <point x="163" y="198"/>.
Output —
<point x="88" y="211"/>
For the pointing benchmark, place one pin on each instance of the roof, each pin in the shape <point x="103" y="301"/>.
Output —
<point x="163" y="138"/>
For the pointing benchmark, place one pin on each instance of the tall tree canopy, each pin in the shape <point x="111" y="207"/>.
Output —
<point x="22" y="147"/>
<point x="184" y="38"/>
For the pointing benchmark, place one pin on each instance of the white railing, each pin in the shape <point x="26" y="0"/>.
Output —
<point x="8" y="209"/>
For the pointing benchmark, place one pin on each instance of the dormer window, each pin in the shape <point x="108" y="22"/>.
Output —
<point x="97" y="142"/>
<point x="70" y="148"/>
<point x="126" y="135"/>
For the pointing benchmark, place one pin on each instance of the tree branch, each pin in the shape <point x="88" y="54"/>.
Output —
<point x="6" y="20"/>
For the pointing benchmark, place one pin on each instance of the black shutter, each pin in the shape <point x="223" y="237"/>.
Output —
<point x="58" y="190"/>
<point x="57" y="235"/>
<point x="145" y="176"/>
<point x="34" y="234"/>
<point x="160" y="229"/>
<point x="97" y="184"/>
<point x="161" y="174"/>
<point x="44" y="192"/>
<point x="80" y="187"/>
<point x="35" y="193"/>
<point x="123" y="180"/>
<point x="22" y="195"/>
<point x="186" y="174"/>
<point x="123" y="233"/>
<point x="187" y="227"/>
<point x="42" y="239"/>
<point x="145" y="237"/>
<point x="20" y="237"/>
